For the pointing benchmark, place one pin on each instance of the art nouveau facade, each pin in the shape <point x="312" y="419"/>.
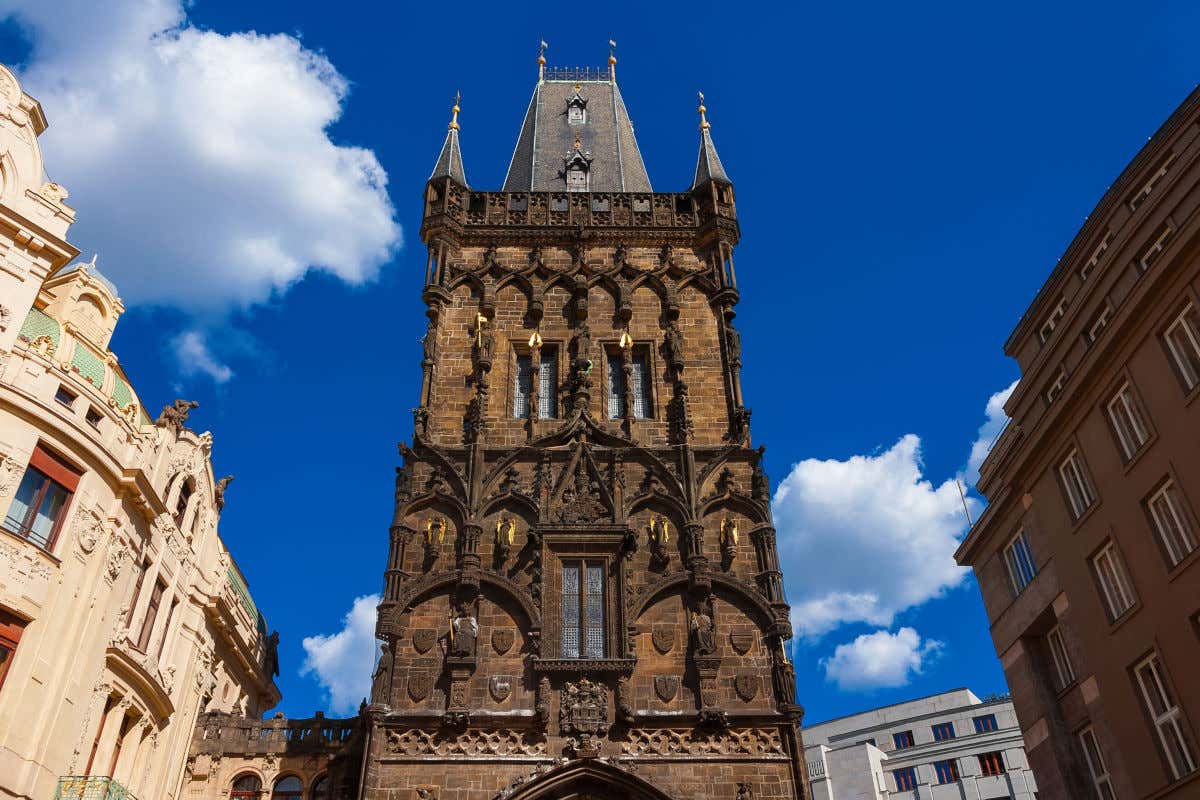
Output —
<point x="122" y="614"/>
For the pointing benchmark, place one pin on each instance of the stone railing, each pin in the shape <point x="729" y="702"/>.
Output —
<point x="228" y="734"/>
<point x="565" y="209"/>
<point x="91" y="788"/>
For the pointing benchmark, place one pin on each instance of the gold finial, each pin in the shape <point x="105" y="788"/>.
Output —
<point x="454" y="112"/>
<point x="703" y="119"/>
<point x="612" y="60"/>
<point x="578" y="142"/>
<point x="542" y="60"/>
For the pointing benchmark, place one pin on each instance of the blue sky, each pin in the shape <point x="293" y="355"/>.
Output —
<point x="906" y="177"/>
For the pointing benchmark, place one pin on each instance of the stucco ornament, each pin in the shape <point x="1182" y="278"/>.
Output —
<point x="89" y="529"/>
<point x="12" y="466"/>
<point x="116" y="560"/>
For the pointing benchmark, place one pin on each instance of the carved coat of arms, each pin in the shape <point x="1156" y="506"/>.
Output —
<point x="502" y="640"/>
<point x="500" y="687"/>
<point x="746" y="686"/>
<point x="741" y="641"/>
<point x="424" y="639"/>
<point x="663" y="637"/>
<point x="420" y="684"/>
<point x="583" y="708"/>
<point x="666" y="687"/>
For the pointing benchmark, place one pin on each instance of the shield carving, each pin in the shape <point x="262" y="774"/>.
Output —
<point x="424" y="639"/>
<point x="741" y="641"/>
<point x="500" y="687"/>
<point x="663" y="637"/>
<point x="420" y="684"/>
<point x="666" y="687"/>
<point x="746" y="686"/>
<point x="502" y="640"/>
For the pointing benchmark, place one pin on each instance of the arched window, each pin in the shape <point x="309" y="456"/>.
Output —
<point x="246" y="787"/>
<point x="289" y="788"/>
<point x="181" y="504"/>
<point x="320" y="789"/>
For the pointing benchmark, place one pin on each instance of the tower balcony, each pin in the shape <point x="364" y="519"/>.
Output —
<point x="91" y="787"/>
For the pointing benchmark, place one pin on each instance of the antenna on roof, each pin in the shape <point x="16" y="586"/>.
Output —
<point x="962" y="496"/>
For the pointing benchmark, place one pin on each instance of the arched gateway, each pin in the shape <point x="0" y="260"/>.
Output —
<point x="582" y="595"/>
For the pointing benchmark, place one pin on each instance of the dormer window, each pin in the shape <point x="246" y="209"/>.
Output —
<point x="577" y="179"/>
<point x="576" y="115"/>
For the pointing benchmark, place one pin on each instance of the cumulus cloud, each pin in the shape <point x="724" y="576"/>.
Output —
<point x="194" y="357"/>
<point x="201" y="163"/>
<point x="866" y="538"/>
<point x="342" y="662"/>
<point x="996" y="420"/>
<point x="880" y="660"/>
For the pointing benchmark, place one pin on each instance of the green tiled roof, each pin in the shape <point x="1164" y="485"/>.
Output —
<point x="38" y="323"/>
<point x="243" y="592"/>
<point x="122" y="395"/>
<point x="88" y="364"/>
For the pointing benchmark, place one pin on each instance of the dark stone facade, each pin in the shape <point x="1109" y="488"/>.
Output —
<point x="687" y="692"/>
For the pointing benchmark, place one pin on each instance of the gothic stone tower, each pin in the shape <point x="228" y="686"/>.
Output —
<point x="583" y="595"/>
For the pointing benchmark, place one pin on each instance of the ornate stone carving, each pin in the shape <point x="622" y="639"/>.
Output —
<point x="663" y="637"/>
<point x="470" y="743"/>
<point x="542" y="707"/>
<point x="502" y="639"/>
<point x="174" y="417"/>
<point x="219" y="491"/>
<point x="115" y="560"/>
<point x="704" y="641"/>
<point x="420" y="684"/>
<point x="752" y="743"/>
<point x="89" y="528"/>
<point x="5" y="317"/>
<point x="500" y="687"/>
<point x="746" y="685"/>
<point x="744" y="792"/>
<point x="741" y="641"/>
<point x="424" y="639"/>
<point x="666" y="687"/>
<point x="464" y="630"/>
<point x="583" y="708"/>
<point x="580" y="502"/>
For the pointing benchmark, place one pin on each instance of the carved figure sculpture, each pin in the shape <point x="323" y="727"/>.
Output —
<point x="174" y="416"/>
<point x="464" y="630"/>
<point x="703" y="634"/>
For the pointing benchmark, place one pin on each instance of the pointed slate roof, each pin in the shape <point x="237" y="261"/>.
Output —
<point x="708" y="165"/>
<point x="547" y="138"/>
<point x="449" y="163"/>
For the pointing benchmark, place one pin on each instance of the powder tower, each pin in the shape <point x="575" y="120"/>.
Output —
<point x="582" y="594"/>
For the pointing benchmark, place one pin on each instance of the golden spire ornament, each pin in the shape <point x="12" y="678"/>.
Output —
<point x="703" y="120"/>
<point x="454" y="112"/>
<point x="541" y="61"/>
<point x="612" y="60"/>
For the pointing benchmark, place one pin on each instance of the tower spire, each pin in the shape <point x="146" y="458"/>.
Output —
<point x="449" y="163"/>
<point x="542" y="60"/>
<point x="708" y="165"/>
<point x="612" y="61"/>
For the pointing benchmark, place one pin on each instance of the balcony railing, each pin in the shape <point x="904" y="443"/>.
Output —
<point x="91" y="788"/>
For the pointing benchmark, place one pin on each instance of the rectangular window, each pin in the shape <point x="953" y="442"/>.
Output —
<point x="522" y="386"/>
<point x="905" y="778"/>
<point x="946" y="771"/>
<point x="583" y="632"/>
<point x="985" y="723"/>
<point x="991" y="763"/>
<point x="1056" y="387"/>
<point x="1172" y="523"/>
<point x="1018" y="558"/>
<point x="576" y="180"/>
<point x="1166" y="716"/>
<point x="1156" y="247"/>
<point x="943" y="731"/>
<point x="1052" y="321"/>
<point x="903" y="739"/>
<point x="162" y="644"/>
<point x="93" y="417"/>
<point x="1096" y="766"/>
<point x="1183" y="343"/>
<point x="639" y="383"/>
<point x="1127" y="421"/>
<point x="65" y="396"/>
<point x="11" y="628"/>
<point x="40" y="504"/>
<point x="548" y="382"/>
<point x="156" y="594"/>
<point x="1063" y="671"/>
<point x="1075" y="484"/>
<point x="1097" y="254"/>
<point x="1099" y="323"/>
<point x="1114" y="583"/>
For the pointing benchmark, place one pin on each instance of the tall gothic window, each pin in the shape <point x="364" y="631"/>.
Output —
<point x="582" y="609"/>
<point x="547" y="384"/>
<point x="639" y="384"/>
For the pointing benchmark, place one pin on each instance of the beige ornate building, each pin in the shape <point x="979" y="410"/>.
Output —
<point x="122" y="615"/>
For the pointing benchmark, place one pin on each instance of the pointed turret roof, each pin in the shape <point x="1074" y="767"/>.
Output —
<point x="449" y="163"/>
<point x="708" y="164"/>
<point x="600" y="122"/>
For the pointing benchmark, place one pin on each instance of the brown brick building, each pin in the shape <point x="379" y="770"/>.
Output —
<point x="583" y="596"/>
<point x="1087" y="554"/>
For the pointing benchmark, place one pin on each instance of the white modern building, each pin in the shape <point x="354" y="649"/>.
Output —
<point x="948" y="745"/>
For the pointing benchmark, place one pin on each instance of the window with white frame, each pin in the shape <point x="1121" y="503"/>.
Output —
<point x="1156" y="247"/>
<point x="1167" y="718"/>
<point x="1141" y="194"/>
<point x="1183" y="343"/>
<point x="1097" y="254"/>
<point x="1127" y="421"/>
<point x="1052" y="321"/>
<point x="1075" y="484"/>
<point x="1114" y="582"/>
<point x="1096" y="765"/>
<point x="1056" y="387"/>
<point x="1018" y="559"/>
<point x="1064" y="673"/>
<point x="1099" y="323"/>
<point x="1171" y="522"/>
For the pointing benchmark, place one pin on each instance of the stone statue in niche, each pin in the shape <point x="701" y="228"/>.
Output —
<point x="703" y="630"/>
<point x="783" y="675"/>
<point x="464" y="630"/>
<point x="379" y="681"/>
<point x="673" y="342"/>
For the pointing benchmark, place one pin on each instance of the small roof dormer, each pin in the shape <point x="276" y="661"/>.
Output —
<point x="85" y="301"/>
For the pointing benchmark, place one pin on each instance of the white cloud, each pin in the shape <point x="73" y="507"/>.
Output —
<point x="200" y="163"/>
<point x="996" y="420"/>
<point x="880" y="660"/>
<point x="195" y="357"/>
<point x="866" y="538"/>
<point x="342" y="662"/>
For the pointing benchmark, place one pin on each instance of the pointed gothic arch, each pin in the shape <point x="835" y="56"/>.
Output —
<point x="588" y="778"/>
